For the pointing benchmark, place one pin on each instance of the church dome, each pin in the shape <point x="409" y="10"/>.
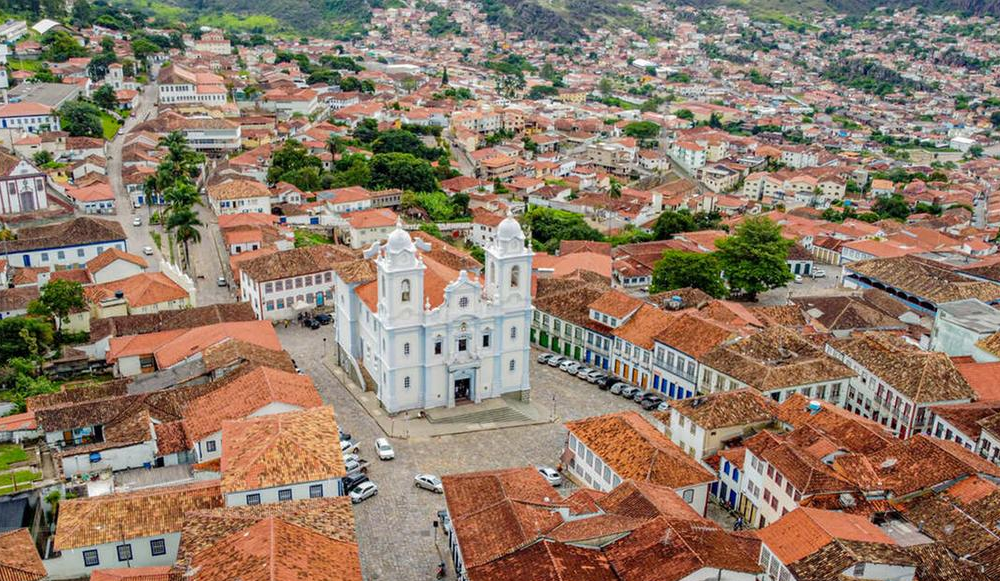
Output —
<point x="399" y="241"/>
<point x="509" y="230"/>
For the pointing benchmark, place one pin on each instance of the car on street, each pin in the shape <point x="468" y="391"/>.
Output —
<point x="569" y="366"/>
<point x="555" y="360"/>
<point x="311" y="323"/>
<point x="352" y="458"/>
<point x="550" y="475"/>
<point x="629" y="391"/>
<point x="664" y="406"/>
<point x="344" y="436"/>
<point x="352" y="481"/>
<point x="137" y="221"/>
<point x="384" y="449"/>
<point x="221" y="281"/>
<point x="348" y="446"/>
<point x="147" y="250"/>
<point x="582" y="372"/>
<point x="798" y="279"/>
<point x="819" y="273"/>
<point x="324" y="318"/>
<point x="651" y="403"/>
<point x="353" y="467"/>
<point x="595" y="375"/>
<point x="363" y="491"/>
<point x="428" y="482"/>
<point x="616" y="388"/>
<point x="607" y="381"/>
<point x="544" y="357"/>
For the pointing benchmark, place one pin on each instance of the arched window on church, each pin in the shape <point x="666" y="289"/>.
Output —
<point x="406" y="348"/>
<point x="515" y="276"/>
<point x="404" y="295"/>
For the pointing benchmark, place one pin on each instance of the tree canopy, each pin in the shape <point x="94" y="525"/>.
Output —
<point x="754" y="258"/>
<point x="680" y="269"/>
<point x="81" y="119"/>
<point x="550" y="226"/>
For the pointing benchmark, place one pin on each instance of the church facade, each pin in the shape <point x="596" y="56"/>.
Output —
<point x="429" y="335"/>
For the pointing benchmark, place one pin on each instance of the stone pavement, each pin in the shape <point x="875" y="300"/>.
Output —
<point x="395" y="532"/>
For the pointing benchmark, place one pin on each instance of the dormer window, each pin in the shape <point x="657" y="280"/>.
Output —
<point x="404" y="294"/>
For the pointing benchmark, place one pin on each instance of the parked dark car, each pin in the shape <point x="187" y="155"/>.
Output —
<point x="607" y="381"/>
<point x="351" y="481"/>
<point x="324" y="318"/>
<point x="311" y="323"/>
<point x="651" y="403"/>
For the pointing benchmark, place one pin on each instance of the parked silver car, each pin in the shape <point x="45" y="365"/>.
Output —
<point x="363" y="491"/>
<point x="618" y="387"/>
<point x="428" y="482"/>
<point x="629" y="391"/>
<point x="555" y="360"/>
<point x="551" y="475"/>
<point x="569" y="366"/>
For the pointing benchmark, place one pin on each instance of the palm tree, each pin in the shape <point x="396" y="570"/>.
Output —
<point x="184" y="223"/>
<point x="615" y="192"/>
<point x="184" y="159"/>
<point x="181" y="195"/>
<point x="335" y="145"/>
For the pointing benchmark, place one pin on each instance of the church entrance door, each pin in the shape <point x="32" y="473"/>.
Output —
<point x="463" y="389"/>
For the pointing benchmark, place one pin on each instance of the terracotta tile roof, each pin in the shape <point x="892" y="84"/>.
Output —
<point x="636" y="450"/>
<point x="570" y="301"/>
<point x="616" y="304"/>
<point x="140" y="290"/>
<point x="445" y="254"/>
<point x="961" y="522"/>
<point x="132" y="574"/>
<point x="19" y="560"/>
<point x="914" y="465"/>
<point x="17" y="298"/>
<point x="966" y="417"/>
<point x="990" y="344"/>
<point x="572" y="246"/>
<point x="935" y="563"/>
<point x="742" y="407"/>
<point x="172" y="347"/>
<point x="170" y="438"/>
<point x="172" y="320"/>
<point x="497" y="512"/>
<point x="112" y="254"/>
<point x="78" y="231"/>
<point x="373" y="218"/>
<point x="833" y="559"/>
<point x="774" y="358"/>
<point x="929" y="281"/>
<point x="236" y="351"/>
<point x="357" y="271"/>
<point x="921" y="376"/>
<point x="298" y="262"/>
<point x="848" y="431"/>
<point x="839" y="313"/>
<point x="304" y="540"/>
<point x="798" y="457"/>
<point x="692" y="335"/>
<point x="86" y="522"/>
<point x="246" y="394"/>
<point x="78" y="392"/>
<point x="644" y="325"/>
<point x="689" y="298"/>
<point x="280" y="449"/>
<point x="547" y="561"/>
<point x="806" y="530"/>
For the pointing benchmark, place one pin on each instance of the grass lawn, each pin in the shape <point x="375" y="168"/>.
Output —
<point x="110" y="126"/>
<point x="11" y="453"/>
<point x="30" y="65"/>
<point x="308" y="238"/>
<point x="21" y="476"/>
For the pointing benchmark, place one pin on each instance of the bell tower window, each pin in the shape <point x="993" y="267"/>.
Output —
<point x="404" y="294"/>
<point x="515" y="276"/>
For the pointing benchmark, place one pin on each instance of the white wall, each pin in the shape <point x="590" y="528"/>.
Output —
<point x="70" y="565"/>
<point x="331" y="487"/>
<point x="115" y="459"/>
<point x="117" y="270"/>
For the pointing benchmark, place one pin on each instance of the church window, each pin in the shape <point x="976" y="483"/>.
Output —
<point x="515" y="276"/>
<point x="511" y="365"/>
<point x="463" y="344"/>
<point x="405" y="294"/>
<point x="406" y="348"/>
<point x="486" y="340"/>
<point x="463" y="302"/>
<point x="513" y="332"/>
<point x="437" y="347"/>
<point x="406" y="382"/>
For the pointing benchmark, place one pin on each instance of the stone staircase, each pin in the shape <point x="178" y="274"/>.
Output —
<point x="476" y="415"/>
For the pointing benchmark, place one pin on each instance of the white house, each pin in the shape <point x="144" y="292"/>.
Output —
<point x="282" y="284"/>
<point x="26" y="116"/>
<point x="701" y="425"/>
<point x="178" y="84"/>
<point x="257" y="468"/>
<point x="68" y="244"/>
<point x="676" y="352"/>
<point x="430" y="335"/>
<point x="366" y="227"/>
<point x="114" y="264"/>
<point x="97" y="532"/>
<point x="603" y="451"/>
<point x="239" y="196"/>
<point x="22" y="186"/>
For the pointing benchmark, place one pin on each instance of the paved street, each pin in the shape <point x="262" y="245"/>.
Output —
<point x="394" y="528"/>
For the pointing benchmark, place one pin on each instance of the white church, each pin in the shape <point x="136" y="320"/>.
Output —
<point x="428" y="335"/>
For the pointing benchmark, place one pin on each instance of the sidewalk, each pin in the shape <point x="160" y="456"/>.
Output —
<point x="492" y="414"/>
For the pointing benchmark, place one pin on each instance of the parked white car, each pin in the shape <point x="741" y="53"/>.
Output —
<point x="582" y="372"/>
<point x="544" y="357"/>
<point x="570" y="366"/>
<point x="384" y="450"/>
<point x="147" y="250"/>
<point x="352" y="458"/>
<point x="555" y="360"/>
<point x="137" y="221"/>
<point x="428" y="482"/>
<point x="363" y="491"/>
<point x="551" y="475"/>
<point x="347" y="446"/>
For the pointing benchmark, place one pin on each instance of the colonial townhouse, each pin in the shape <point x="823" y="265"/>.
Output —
<point x="676" y="353"/>
<point x="239" y="196"/>
<point x="280" y="285"/>
<point x="633" y="346"/>
<point x="896" y="383"/>
<point x="810" y="543"/>
<point x="604" y="451"/>
<point x="963" y="424"/>
<point x="257" y="468"/>
<point x="609" y="311"/>
<point x="989" y="438"/>
<point x="778" y="363"/>
<point x="562" y="321"/>
<point x="702" y="426"/>
<point x="178" y="84"/>
<point x="64" y="245"/>
<point x="132" y="529"/>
